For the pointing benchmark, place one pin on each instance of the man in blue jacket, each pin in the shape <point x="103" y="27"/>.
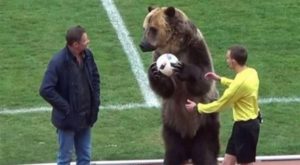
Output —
<point x="71" y="85"/>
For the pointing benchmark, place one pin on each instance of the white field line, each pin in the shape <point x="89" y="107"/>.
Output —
<point x="131" y="52"/>
<point x="47" y="109"/>
<point x="279" y="100"/>
<point x="273" y="100"/>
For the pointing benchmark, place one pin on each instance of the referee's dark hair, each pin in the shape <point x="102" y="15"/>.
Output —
<point x="74" y="34"/>
<point x="239" y="54"/>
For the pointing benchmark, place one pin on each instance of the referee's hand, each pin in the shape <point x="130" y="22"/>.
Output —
<point x="190" y="105"/>
<point x="212" y="75"/>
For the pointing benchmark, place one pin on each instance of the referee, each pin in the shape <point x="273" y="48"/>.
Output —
<point x="242" y="95"/>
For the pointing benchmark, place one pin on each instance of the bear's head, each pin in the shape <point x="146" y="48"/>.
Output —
<point x="166" y="30"/>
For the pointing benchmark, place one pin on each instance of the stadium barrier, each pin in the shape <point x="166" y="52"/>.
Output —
<point x="160" y="161"/>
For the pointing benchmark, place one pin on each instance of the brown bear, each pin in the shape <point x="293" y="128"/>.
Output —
<point x="187" y="136"/>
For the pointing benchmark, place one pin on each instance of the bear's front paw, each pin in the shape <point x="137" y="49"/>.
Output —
<point x="154" y="72"/>
<point x="181" y="71"/>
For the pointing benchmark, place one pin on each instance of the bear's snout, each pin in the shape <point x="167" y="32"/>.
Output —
<point x="146" y="47"/>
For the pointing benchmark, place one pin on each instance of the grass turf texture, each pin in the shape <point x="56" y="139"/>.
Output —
<point x="32" y="30"/>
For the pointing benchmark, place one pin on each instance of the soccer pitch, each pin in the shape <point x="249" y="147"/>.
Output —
<point x="135" y="132"/>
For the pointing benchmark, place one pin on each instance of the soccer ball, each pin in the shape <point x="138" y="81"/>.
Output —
<point x="163" y="63"/>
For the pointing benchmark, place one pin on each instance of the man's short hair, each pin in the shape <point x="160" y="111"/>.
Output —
<point x="74" y="34"/>
<point x="239" y="54"/>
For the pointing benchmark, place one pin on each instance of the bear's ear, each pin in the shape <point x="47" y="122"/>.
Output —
<point x="150" y="8"/>
<point x="170" y="11"/>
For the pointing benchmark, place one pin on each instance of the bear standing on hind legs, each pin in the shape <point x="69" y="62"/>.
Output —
<point x="186" y="135"/>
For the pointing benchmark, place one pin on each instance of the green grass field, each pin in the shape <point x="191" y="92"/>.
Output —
<point x="33" y="30"/>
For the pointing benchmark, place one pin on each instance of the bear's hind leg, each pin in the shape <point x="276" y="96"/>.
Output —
<point x="175" y="153"/>
<point x="173" y="157"/>
<point x="205" y="147"/>
<point x="202" y="156"/>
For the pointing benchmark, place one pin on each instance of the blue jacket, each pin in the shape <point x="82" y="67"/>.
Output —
<point x="59" y="89"/>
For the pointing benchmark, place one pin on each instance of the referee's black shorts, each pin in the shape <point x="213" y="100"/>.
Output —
<point x="243" y="140"/>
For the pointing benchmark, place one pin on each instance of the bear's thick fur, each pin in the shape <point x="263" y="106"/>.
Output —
<point x="186" y="135"/>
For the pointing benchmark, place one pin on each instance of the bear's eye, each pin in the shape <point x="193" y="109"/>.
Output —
<point x="153" y="31"/>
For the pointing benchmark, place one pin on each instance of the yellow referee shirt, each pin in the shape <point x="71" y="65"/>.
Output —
<point x="241" y="94"/>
